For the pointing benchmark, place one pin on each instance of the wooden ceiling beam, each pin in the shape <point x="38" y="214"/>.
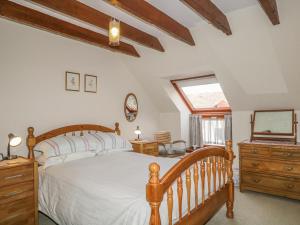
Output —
<point x="270" y="8"/>
<point x="152" y="15"/>
<point x="92" y="16"/>
<point x="210" y="12"/>
<point x="24" y="15"/>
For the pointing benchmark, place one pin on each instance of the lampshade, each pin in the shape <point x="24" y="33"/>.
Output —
<point x="137" y="131"/>
<point x="14" y="140"/>
<point x="114" y="32"/>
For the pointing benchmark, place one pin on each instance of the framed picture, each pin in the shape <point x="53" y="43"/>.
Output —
<point x="72" y="81"/>
<point x="90" y="83"/>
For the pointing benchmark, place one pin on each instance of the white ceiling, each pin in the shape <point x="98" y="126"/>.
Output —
<point x="174" y="8"/>
<point x="232" y="5"/>
<point x="257" y="65"/>
<point x="183" y="14"/>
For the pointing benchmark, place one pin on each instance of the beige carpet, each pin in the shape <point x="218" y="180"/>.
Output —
<point x="250" y="209"/>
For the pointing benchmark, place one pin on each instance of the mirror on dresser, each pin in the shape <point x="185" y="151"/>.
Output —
<point x="274" y="125"/>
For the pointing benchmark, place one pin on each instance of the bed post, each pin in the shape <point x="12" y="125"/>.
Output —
<point x="230" y="195"/>
<point x="117" y="129"/>
<point x="154" y="194"/>
<point x="31" y="143"/>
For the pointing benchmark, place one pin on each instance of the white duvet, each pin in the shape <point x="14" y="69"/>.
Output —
<point x="103" y="190"/>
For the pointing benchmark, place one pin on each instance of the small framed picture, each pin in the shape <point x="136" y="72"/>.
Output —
<point x="90" y="83"/>
<point x="72" y="81"/>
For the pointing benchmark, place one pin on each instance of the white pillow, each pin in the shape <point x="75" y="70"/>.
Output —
<point x="108" y="141"/>
<point x="62" y="145"/>
<point x="67" y="158"/>
<point x="79" y="155"/>
<point x="109" y="151"/>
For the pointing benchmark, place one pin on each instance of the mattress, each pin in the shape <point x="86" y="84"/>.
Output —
<point x="104" y="190"/>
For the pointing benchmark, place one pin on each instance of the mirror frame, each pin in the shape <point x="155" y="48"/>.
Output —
<point x="127" y="96"/>
<point x="291" y="137"/>
<point x="270" y="133"/>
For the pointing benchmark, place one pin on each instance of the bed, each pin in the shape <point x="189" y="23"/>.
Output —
<point x="120" y="187"/>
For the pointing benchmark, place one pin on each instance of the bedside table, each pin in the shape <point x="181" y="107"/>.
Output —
<point x="145" y="147"/>
<point x="18" y="192"/>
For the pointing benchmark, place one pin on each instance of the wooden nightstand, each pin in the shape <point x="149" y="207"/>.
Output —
<point x="145" y="147"/>
<point x="18" y="192"/>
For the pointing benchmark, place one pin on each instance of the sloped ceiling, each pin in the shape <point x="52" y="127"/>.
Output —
<point x="258" y="66"/>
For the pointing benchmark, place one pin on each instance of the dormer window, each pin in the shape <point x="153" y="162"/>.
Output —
<point x="202" y="95"/>
<point x="209" y="108"/>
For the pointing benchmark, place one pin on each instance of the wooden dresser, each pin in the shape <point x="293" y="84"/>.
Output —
<point x="18" y="192"/>
<point x="270" y="167"/>
<point x="145" y="147"/>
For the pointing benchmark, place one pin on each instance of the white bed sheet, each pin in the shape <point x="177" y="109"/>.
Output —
<point x="104" y="190"/>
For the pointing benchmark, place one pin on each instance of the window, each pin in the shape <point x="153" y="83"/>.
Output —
<point x="213" y="131"/>
<point x="205" y="99"/>
<point x="202" y="95"/>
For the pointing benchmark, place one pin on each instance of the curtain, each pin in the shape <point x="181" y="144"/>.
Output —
<point x="228" y="127"/>
<point x="196" y="130"/>
<point x="213" y="131"/>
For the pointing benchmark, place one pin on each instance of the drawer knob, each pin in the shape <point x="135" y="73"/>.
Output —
<point x="289" y="168"/>
<point x="255" y="164"/>
<point x="13" y="177"/>
<point x="288" y="154"/>
<point x="254" y="151"/>
<point x="11" y="194"/>
<point x="290" y="186"/>
<point x="256" y="180"/>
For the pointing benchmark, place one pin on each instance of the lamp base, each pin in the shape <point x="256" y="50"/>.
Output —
<point x="10" y="157"/>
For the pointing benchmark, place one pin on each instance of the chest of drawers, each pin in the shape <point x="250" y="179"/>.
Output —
<point x="272" y="168"/>
<point x="145" y="147"/>
<point x="18" y="192"/>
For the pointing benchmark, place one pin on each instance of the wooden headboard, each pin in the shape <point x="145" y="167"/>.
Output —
<point x="33" y="140"/>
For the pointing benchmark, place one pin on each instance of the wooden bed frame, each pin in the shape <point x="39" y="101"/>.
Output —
<point x="211" y="164"/>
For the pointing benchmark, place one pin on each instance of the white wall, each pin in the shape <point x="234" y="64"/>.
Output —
<point x="257" y="66"/>
<point x="169" y="122"/>
<point x="32" y="79"/>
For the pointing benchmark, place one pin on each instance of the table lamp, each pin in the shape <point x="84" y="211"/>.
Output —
<point x="138" y="132"/>
<point x="13" y="141"/>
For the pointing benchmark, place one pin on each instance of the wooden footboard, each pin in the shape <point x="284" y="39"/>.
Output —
<point x="212" y="165"/>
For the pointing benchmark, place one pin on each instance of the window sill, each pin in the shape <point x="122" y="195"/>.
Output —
<point x="214" y="145"/>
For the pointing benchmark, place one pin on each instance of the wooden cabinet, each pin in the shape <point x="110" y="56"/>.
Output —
<point x="18" y="192"/>
<point x="270" y="167"/>
<point x="145" y="147"/>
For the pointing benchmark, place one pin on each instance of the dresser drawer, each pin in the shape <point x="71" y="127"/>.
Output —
<point x="16" y="175"/>
<point x="255" y="151"/>
<point x="150" y="146"/>
<point x="272" y="183"/>
<point x="270" y="166"/>
<point x="16" y="192"/>
<point x="26" y="218"/>
<point x="12" y="210"/>
<point x="287" y="154"/>
<point x="151" y="149"/>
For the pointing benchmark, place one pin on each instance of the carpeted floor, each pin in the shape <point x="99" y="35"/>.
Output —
<point x="250" y="209"/>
